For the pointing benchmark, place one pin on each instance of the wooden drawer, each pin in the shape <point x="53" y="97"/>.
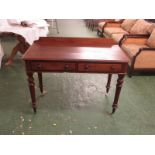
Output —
<point x="52" y="66"/>
<point x="91" y="67"/>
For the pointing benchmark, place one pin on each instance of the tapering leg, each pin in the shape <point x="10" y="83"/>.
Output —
<point x="119" y="84"/>
<point x="108" y="83"/>
<point x="32" y="90"/>
<point x="40" y="82"/>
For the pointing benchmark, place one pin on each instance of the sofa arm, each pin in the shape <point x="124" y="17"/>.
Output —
<point x="145" y="59"/>
<point x="134" y="38"/>
<point x="112" y="24"/>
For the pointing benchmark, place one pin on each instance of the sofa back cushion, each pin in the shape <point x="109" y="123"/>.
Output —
<point x="128" y="23"/>
<point x="151" y="28"/>
<point x="151" y="40"/>
<point x="141" y="27"/>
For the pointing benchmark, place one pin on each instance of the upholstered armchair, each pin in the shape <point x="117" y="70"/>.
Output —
<point x="141" y="51"/>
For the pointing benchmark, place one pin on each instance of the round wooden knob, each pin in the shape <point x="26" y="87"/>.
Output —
<point x="86" y="67"/>
<point x="112" y="68"/>
<point x="66" y="66"/>
<point x="39" y="66"/>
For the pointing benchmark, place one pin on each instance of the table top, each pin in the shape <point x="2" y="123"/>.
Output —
<point x="75" y="49"/>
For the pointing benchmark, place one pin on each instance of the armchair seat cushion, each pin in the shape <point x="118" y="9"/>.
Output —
<point x="145" y="60"/>
<point x="111" y="30"/>
<point x="117" y="37"/>
<point x="132" y="49"/>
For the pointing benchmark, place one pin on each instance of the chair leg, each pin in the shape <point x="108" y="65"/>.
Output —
<point x="57" y="26"/>
<point x="93" y="25"/>
<point x="130" y="71"/>
<point x="99" y="33"/>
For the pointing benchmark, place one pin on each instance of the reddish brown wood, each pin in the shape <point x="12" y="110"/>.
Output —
<point x="40" y="82"/>
<point x="32" y="90"/>
<point x="108" y="83"/>
<point x="119" y="85"/>
<point x="53" y="66"/>
<point x="82" y="42"/>
<point x="86" y="55"/>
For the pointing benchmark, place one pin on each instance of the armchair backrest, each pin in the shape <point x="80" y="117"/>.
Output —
<point x="151" y="40"/>
<point x="141" y="27"/>
<point x="128" y="23"/>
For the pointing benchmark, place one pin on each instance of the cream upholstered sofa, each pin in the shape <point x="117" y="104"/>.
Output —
<point x="128" y="26"/>
<point x="119" y="28"/>
<point x="141" y="51"/>
<point x="137" y="40"/>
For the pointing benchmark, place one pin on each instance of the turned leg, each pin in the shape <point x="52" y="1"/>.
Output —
<point x="40" y="82"/>
<point x="32" y="90"/>
<point x="119" y="84"/>
<point x="108" y="83"/>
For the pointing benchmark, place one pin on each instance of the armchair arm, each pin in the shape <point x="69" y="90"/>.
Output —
<point x="137" y="35"/>
<point x="134" y="38"/>
<point x="148" y="49"/>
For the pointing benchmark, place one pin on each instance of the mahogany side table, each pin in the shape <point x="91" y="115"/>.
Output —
<point x="78" y="55"/>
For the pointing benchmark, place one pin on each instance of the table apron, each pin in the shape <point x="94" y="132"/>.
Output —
<point x="78" y="67"/>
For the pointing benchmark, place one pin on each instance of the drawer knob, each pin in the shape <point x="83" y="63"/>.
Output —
<point x="86" y="67"/>
<point x="66" y="66"/>
<point x="112" y="68"/>
<point x="39" y="66"/>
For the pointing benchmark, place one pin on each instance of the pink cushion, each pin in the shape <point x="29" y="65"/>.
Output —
<point x="141" y="27"/>
<point x="128" y="23"/>
<point x="151" y="40"/>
